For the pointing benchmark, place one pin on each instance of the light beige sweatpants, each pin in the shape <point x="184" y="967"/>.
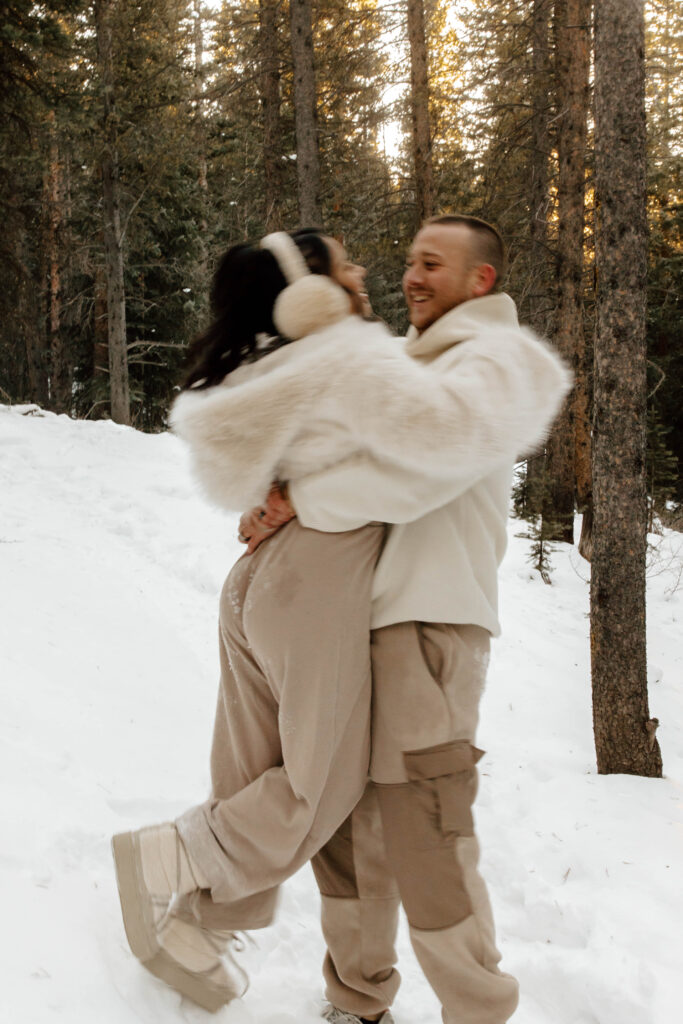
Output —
<point x="291" y="740"/>
<point x="411" y="838"/>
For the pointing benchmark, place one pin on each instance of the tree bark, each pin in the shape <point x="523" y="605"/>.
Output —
<point x="270" y="102"/>
<point x="60" y="368"/>
<point x="111" y="202"/>
<point x="540" y="302"/>
<point x="33" y="334"/>
<point x="199" y="94"/>
<point x="200" y="133"/>
<point x="539" y="191"/>
<point x="583" y="481"/>
<point x="624" y="732"/>
<point x="305" y="115"/>
<point x="100" y="350"/>
<point x="202" y="165"/>
<point x="572" y="63"/>
<point x="419" y="105"/>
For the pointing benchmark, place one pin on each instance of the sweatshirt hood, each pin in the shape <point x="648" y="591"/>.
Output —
<point x="462" y="323"/>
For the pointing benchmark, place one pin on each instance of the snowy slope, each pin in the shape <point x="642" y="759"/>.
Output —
<point x="110" y="567"/>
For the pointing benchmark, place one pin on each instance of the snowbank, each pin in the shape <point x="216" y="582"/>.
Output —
<point x="110" y="567"/>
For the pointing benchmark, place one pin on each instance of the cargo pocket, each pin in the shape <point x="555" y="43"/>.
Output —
<point x="422" y="819"/>
<point x="449" y="769"/>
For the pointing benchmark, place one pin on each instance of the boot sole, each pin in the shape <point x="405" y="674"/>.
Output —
<point x="137" y="918"/>
<point x="141" y="933"/>
<point x="200" y="990"/>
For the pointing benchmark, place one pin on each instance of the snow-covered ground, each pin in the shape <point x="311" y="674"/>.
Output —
<point x="110" y="567"/>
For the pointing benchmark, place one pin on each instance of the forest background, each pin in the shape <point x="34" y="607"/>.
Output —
<point x="139" y="140"/>
<point x="195" y="105"/>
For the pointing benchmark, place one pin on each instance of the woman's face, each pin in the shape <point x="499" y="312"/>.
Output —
<point x="351" y="276"/>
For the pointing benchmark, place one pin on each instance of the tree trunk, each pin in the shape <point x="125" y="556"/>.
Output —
<point x="572" y="61"/>
<point x="60" y="368"/>
<point x="199" y="92"/>
<point x="539" y="192"/>
<point x="578" y="31"/>
<point x="307" y="156"/>
<point x="540" y="302"/>
<point x="31" y="329"/>
<point x="624" y="732"/>
<point x="419" y="104"/>
<point x="202" y="276"/>
<point x="113" y="245"/>
<point x="100" y="351"/>
<point x="202" y="164"/>
<point x="270" y="102"/>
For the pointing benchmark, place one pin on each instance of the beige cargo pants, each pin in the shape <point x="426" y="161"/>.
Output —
<point x="411" y="837"/>
<point x="291" y="740"/>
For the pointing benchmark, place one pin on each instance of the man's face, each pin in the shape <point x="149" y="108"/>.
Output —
<point x="439" y="273"/>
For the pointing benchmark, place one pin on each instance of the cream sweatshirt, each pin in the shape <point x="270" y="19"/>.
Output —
<point x="503" y="388"/>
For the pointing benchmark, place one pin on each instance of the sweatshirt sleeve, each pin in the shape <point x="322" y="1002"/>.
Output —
<point x="436" y="434"/>
<point x="498" y="398"/>
<point x="362" y="490"/>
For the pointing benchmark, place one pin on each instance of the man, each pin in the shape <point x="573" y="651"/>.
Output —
<point x="411" y="838"/>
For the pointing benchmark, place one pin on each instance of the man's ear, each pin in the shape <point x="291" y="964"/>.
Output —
<point x="482" y="280"/>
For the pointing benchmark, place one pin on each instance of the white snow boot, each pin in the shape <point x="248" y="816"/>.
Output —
<point x="152" y="865"/>
<point x="198" y="963"/>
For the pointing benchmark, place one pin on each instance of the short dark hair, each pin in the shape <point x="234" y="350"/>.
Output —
<point x="487" y="242"/>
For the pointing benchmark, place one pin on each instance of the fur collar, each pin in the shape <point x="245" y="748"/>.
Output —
<point x="462" y="323"/>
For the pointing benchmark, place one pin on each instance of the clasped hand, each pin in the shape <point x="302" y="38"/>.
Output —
<point x="264" y="520"/>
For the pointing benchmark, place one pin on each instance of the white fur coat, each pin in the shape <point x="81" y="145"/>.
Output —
<point x="351" y="388"/>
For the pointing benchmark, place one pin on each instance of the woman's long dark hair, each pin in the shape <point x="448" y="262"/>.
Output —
<point x="245" y="286"/>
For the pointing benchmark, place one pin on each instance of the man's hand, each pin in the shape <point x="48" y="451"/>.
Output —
<point x="263" y="521"/>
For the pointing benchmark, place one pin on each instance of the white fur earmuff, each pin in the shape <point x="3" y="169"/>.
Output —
<point x="308" y="305"/>
<point x="310" y="301"/>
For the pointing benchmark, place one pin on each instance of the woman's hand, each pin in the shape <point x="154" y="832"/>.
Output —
<point x="263" y="521"/>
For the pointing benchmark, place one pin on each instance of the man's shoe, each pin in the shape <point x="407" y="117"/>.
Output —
<point x="334" y="1015"/>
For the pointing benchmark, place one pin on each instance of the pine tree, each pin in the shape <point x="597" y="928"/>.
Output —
<point x="572" y="31"/>
<point x="305" y="113"/>
<point x="419" y="105"/>
<point x="32" y="43"/>
<point x="270" y="100"/>
<point x="112" y="229"/>
<point x="661" y="467"/>
<point x="624" y="732"/>
<point x="664" y="96"/>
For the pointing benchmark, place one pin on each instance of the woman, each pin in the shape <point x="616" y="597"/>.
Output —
<point x="286" y="381"/>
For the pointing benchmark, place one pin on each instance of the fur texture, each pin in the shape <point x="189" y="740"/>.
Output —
<point x="310" y="304"/>
<point x="351" y="388"/>
<point x="288" y="255"/>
